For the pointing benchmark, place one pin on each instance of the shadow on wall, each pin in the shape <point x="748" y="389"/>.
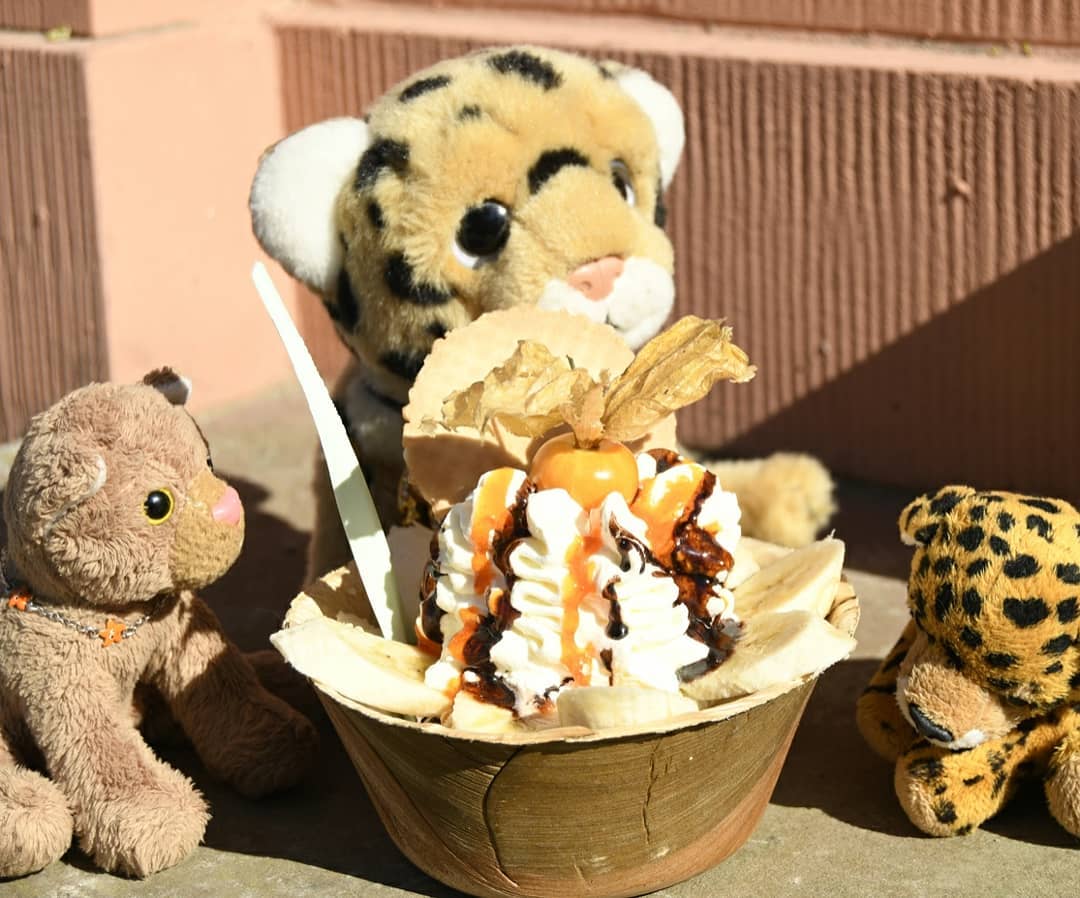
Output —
<point x="983" y="393"/>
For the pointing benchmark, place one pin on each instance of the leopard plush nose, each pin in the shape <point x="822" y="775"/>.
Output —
<point x="927" y="727"/>
<point x="595" y="279"/>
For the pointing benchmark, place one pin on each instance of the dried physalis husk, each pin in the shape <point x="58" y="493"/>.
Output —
<point x="527" y="393"/>
<point x="674" y="369"/>
<point x="534" y="391"/>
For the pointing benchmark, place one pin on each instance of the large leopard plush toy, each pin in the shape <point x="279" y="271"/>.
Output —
<point x="508" y="176"/>
<point x="983" y="688"/>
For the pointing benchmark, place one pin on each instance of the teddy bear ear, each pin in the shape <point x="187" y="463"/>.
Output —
<point x="662" y="109"/>
<point x="53" y="473"/>
<point x="294" y="193"/>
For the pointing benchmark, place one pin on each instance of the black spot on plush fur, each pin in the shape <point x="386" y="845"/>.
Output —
<point x="1068" y="573"/>
<point x="437" y="329"/>
<point x="943" y="565"/>
<point x="945" y="811"/>
<point x="1057" y="645"/>
<point x="1039" y="524"/>
<point x="1074" y="680"/>
<point x="527" y="66"/>
<point x="1067" y="610"/>
<point x="403" y="364"/>
<point x="1021" y="566"/>
<point x="382" y="154"/>
<point x="978" y="512"/>
<point x="977" y="567"/>
<point x="944" y="503"/>
<point x="550" y="162"/>
<point x="1025" y="612"/>
<point x="1056" y="667"/>
<point x="970" y="638"/>
<point x="375" y="216"/>
<point x="345" y="310"/>
<point x="999" y="546"/>
<point x="971" y="538"/>
<point x="972" y="602"/>
<point x="925" y="534"/>
<point x="469" y="112"/>
<point x="400" y="278"/>
<point x="1006" y="521"/>
<point x="1000" y="660"/>
<point x="423" y="86"/>
<point x="660" y="212"/>
<point x="943" y="602"/>
<point x="1042" y="505"/>
<point x="605" y="72"/>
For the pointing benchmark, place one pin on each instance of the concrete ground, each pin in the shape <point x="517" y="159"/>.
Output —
<point x="833" y="827"/>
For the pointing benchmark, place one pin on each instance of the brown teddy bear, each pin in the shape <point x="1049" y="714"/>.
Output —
<point x="114" y="516"/>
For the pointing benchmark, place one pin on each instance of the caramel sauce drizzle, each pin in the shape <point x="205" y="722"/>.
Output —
<point x="490" y="515"/>
<point x="576" y="587"/>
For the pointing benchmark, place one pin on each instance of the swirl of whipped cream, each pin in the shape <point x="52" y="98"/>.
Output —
<point x="581" y="597"/>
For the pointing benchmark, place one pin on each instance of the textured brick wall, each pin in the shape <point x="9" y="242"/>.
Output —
<point x="1037" y="21"/>
<point x="51" y="296"/>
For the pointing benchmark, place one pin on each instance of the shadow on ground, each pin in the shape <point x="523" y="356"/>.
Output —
<point x="832" y="769"/>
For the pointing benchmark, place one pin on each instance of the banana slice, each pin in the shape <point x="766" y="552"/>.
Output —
<point x="471" y="714"/>
<point x="803" y="580"/>
<point x="603" y="707"/>
<point x="363" y="667"/>
<point x="774" y="648"/>
<point x="744" y="565"/>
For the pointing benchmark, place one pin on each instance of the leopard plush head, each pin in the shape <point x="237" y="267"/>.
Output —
<point x="509" y="176"/>
<point x="995" y="595"/>
<point x="112" y="498"/>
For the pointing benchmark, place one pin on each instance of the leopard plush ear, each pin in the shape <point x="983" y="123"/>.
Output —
<point x="663" y="111"/>
<point x="174" y="387"/>
<point x="294" y="193"/>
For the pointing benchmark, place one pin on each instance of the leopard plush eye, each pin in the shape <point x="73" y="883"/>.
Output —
<point x="623" y="180"/>
<point x="158" y="506"/>
<point x="482" y="233"/>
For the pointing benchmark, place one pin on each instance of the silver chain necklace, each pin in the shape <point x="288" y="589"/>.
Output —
<point x="113" y="633"/>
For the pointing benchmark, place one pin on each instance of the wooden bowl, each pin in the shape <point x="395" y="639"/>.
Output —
<point x="567" y="812"/>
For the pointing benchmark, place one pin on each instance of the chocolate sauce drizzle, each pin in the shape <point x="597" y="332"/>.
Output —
<point x="615" y="629"/>
<point x="694" y="563"/>
<point x="484" y="682"/>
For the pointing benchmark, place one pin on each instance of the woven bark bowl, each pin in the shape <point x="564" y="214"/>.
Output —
<point x="560" y="813"/>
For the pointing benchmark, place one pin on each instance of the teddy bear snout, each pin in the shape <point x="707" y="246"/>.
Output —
<point x="228" y="509"/>
<point x="927" y="727"/>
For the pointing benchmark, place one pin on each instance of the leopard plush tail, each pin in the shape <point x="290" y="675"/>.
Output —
<point x="877" y="713"/>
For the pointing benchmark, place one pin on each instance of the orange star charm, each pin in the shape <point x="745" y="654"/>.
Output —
<point x="18" y="601"/>
<point x="113" y="632"/>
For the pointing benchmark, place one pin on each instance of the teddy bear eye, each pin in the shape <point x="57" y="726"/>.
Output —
<point x="482" y="233"/>
<point x="158" y="506"/>
<point x="623" y="181"/>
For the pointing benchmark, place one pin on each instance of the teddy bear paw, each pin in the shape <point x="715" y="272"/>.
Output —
<point x="274" y="754"/>
<point x="147" y="831"/>
<point x="35" y="823"/>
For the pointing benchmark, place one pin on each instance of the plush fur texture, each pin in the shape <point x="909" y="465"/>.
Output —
<point x="481" y="183"/>
<point x="83" y="542"/>
<point x="983" y="688"/>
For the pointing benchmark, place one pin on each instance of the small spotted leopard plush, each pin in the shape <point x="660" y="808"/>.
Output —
<point x="983" y="688"/>
<point x="512" y="175"/>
